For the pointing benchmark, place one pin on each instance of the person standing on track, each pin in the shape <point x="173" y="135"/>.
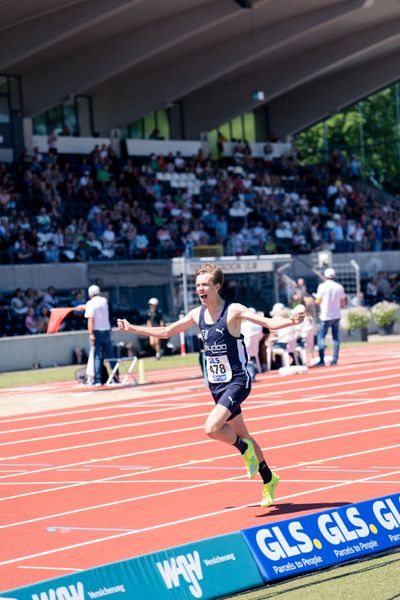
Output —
<point x="99" y="329"/>
<point x="219" y="322"/>
<point x="331" y="298"/>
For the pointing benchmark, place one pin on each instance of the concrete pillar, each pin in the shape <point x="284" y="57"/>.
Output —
<point x="176" y="123"/>
<point x="27" y="126"/>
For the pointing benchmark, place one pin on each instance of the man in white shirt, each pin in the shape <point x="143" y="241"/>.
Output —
<point x="331" y="298"/>
<point x="99" y="328"/>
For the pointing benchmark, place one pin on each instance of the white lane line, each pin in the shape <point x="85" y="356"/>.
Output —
<point x="141" y="423"/>
<point x="155" y="410"/>
<point x="266" y="382"/>
<point x="41" y="399"/>
<point x="69" y="569"/>
<point x="324" y="397"/>
<point x="199" y="480"/>
<point x="81" y="469"/>
<point x="32" y="388"/>
<point x="190" y="487"/>
<point x="132" y="414"/>
<point x="253" y="396"/>
<point x="135" y="414"/>
<point x="390" y="468"/>
<point x="172" y="432"/>
<point x="337" y="470"/>
<point x="347" y="362"/>
<point x="315" y="383"/>
<point x="336" y="385"/>
<point x="85" y="463"/>
<point x="53" y="528"/>
<point x="123" y="467"/>
<point x="61" y="413"/>
<point x="3" y="464"/>
<point x="126" y="426"/>
<point x="187" y="519"/>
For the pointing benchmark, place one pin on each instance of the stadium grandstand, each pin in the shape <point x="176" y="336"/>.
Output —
<point x="140" y="139"/>
<point x="127" y="161"/>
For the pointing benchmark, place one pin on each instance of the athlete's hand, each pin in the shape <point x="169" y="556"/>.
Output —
<point x="298" y="314"/>
<point x="123" y="325"/>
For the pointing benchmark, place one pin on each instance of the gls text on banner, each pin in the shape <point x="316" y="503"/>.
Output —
<point x="323" y="539"/>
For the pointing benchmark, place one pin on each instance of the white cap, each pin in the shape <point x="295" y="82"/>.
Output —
<point x="330" y="273"/>
<point x="153" y="301"/>
<point x="94" y="290"/>
<point x="276" y="308"/>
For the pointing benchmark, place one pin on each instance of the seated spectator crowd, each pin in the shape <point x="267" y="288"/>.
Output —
<point x="57" y="209"/>
<point x="28" y="312"/>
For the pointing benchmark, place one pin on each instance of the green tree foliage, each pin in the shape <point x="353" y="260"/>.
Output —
<point x="368" y="129"/>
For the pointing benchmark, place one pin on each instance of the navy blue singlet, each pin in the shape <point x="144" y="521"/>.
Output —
<point x="226" y="356"/>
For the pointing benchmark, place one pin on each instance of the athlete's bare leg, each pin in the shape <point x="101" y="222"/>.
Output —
<point x="216" y="426"/>
<point x="240" y="428"/>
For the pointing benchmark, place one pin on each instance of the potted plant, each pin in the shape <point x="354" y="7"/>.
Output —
<point x="385" y="315"/>
<point x="357" y="319"/>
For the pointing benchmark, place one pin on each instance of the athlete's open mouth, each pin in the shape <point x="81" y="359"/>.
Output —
<point x="203" y="296"/>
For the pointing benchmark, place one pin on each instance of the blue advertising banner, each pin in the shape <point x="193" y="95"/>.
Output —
<point x="295" y="546"/>
<point x="205" y="569"/>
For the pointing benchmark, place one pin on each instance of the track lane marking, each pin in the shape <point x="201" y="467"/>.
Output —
<point x="153" y="422"/>
<point x="69" y="569"/>
<point x="177" y="490"/>
<point x="188" y="519"/>
<point x="132" y="438"/>
<point x="259" y="385"/>
<point x="84" y="463"/>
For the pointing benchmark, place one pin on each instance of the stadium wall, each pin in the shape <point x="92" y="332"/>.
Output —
<point x="131" y="274"/>
<point x="19" y="353"/>
<point x="69" y="144"/>
<point x="22" y="352"/>
<point x="39" y="277"/>
<point x="73" y="276"/>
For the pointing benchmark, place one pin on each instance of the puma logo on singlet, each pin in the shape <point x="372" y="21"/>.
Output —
<point x="221" y="331"/>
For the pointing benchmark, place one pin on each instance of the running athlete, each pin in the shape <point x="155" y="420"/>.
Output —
<point x="219" y="322"/>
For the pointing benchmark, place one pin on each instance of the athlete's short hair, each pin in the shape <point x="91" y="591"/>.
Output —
<point x="214" y="270"/>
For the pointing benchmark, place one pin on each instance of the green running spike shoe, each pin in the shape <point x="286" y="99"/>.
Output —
<point x="268" y="496"/>
<point x="251" y="459"/>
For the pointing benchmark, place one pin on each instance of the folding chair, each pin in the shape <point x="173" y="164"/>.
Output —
<point x="284" y="349"/>
<point x="128" y="375"/>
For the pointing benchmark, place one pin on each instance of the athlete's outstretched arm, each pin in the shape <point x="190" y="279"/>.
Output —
<point x="295" y="318"/>
<point x="160" y="332"/>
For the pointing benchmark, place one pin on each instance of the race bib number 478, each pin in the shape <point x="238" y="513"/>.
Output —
<point x="218" y="369"/>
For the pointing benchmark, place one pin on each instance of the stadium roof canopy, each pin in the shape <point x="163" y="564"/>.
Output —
<point x="309" y="57"/>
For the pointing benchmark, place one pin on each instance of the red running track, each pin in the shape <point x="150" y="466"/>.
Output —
<point x="89" y="485"/>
